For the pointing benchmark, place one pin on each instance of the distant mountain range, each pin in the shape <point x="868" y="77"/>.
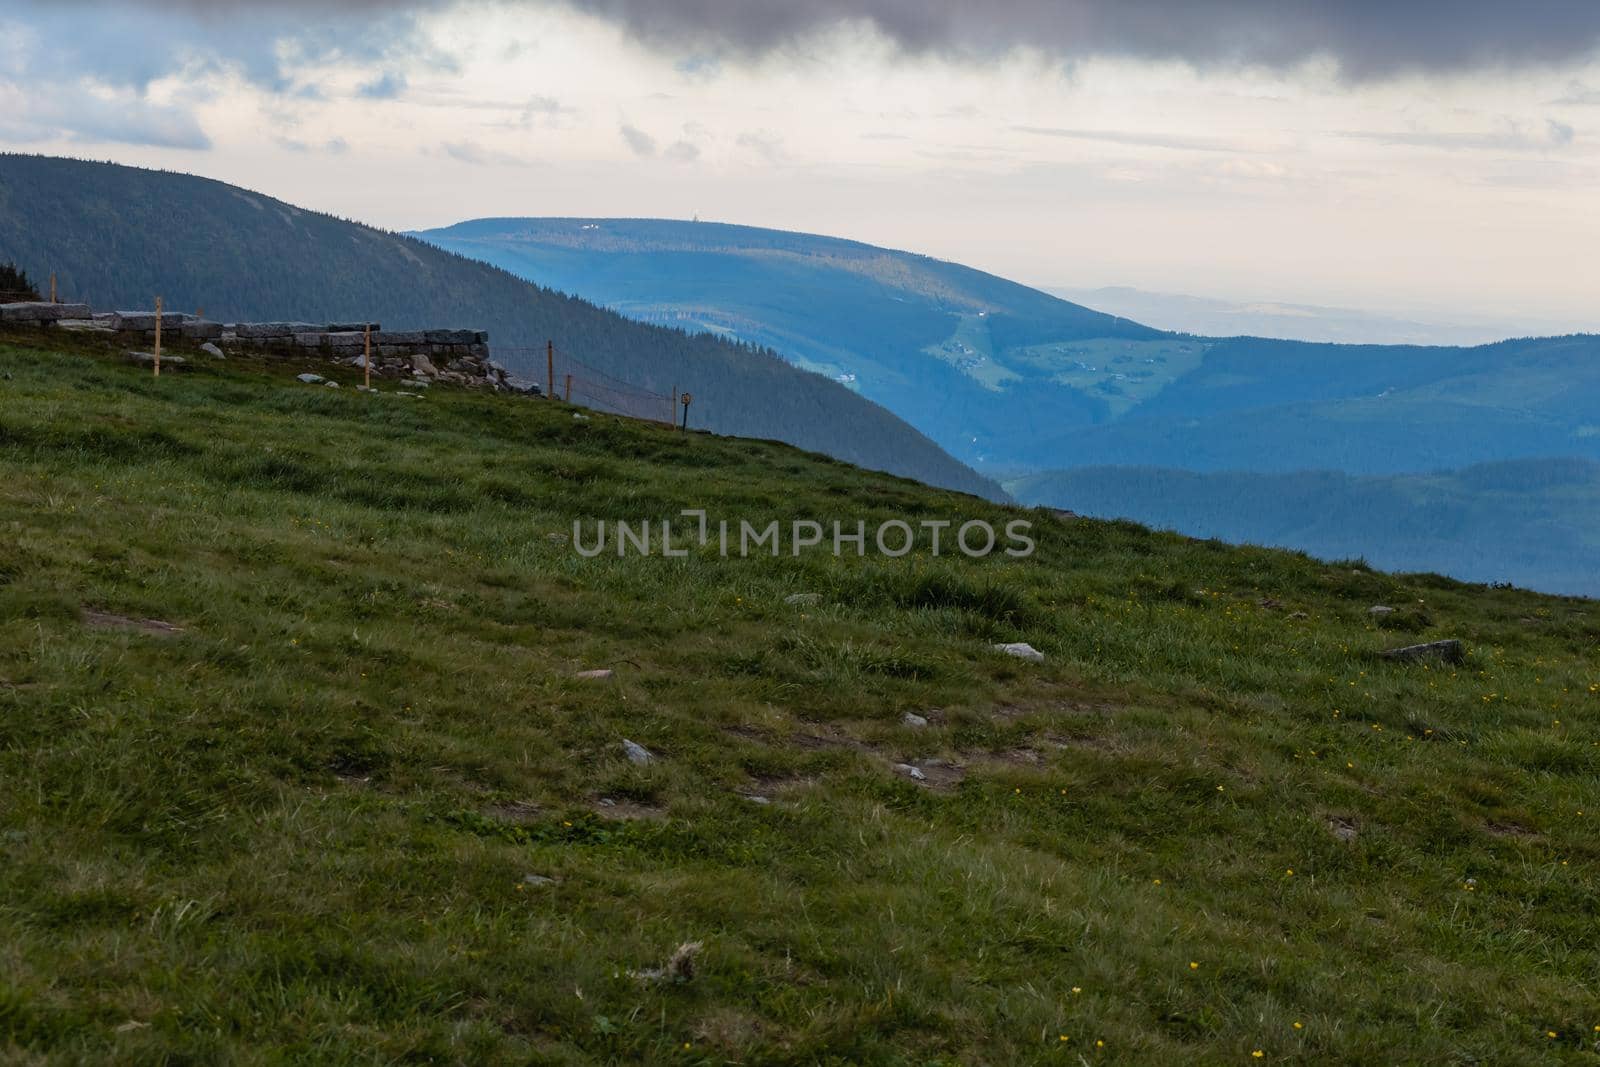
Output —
<point x="1018" y="382"/>
<point x="118" y="236"/>
<point x="1011" y="379"/>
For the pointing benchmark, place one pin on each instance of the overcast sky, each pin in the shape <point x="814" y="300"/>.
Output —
<point x="1444" y="160"/>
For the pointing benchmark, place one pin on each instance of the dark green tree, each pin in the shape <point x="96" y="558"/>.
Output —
<point x="15" y="285"/>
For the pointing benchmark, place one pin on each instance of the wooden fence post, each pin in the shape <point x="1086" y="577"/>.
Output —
<point x="158" y="337"/>
<point x="53" y="299"/>
<point x="550" y="369"/>
<point x="569" y="388"/>
<point x="366" y="362"/>
<point x="672" y="403"/>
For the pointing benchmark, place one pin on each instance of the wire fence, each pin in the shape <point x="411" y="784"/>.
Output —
<point x="568" y="378"/>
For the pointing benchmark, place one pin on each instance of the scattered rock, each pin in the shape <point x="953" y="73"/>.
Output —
<point x="212" y="350"/>
<point x="913" y="720"/>
<point x="1342" y="828"/>
<point x="1299" y="615"/>
<point x="365" y="389"/>
<point x="756" y="798"/>
<point x="416" y="383"/>
<point x="678" y="968"/>
<point x="913" y="773"/>
<point x="310" y="379"/>
<point x="332" y="385"/>
<point x="803" y="600"/>
<point x="1022" y="650"/>
<point x="537" y="880"/>
<point x="423" y="365"/>
<point x="1451" y="651"/>
<point x="637" y="753"/>
<point x="595" y="675"/>
<point x="1380" y="610"/>
<point x="579" y="418"/>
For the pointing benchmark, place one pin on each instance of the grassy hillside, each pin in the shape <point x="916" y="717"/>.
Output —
<point x="295" y="765"/>
<point x="118" y="236"/>
<point x="1532" y="522"/>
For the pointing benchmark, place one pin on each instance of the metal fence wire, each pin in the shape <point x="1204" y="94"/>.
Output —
<point x="578" y="382"/>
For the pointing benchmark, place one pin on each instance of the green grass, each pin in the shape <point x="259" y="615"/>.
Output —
<point x="299" y="829"/>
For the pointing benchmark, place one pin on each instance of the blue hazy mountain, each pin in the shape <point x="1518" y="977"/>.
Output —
<point x="982" y="365"/>
<point x="1012" y="379"/>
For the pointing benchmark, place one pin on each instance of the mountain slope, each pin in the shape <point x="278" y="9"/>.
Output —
<point x="296" y="765"/>
<point x="1531" y="522"/>
<point x="981" y="364"/>
<point x="118" y="236"/>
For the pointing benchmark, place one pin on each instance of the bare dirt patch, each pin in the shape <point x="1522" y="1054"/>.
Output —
<point x="515" y="813"/>
<point x="612" y="808"/>
<point x="105" y="620"/>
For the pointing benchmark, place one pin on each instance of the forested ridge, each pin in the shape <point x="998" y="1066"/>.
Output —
<point x="117" y="236"/>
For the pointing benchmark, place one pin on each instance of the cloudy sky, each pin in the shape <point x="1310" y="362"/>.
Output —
<point x="1432" y="157"/>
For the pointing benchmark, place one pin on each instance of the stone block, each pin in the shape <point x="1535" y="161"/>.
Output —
<point x="201" y="330"/>
<point x="255" y="331"/>
<point x="39" y="311"/>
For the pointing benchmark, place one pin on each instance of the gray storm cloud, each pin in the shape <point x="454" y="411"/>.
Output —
<point x="1368" y="38"/>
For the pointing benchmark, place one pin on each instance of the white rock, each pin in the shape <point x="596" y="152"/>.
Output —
<point x="913" y="720"/>
<point x="596" y="675"/>
<point x="637" y="753"/>
<point x="212" y="350"/>
<point x="914" y="773"/>
<point x="803" y="599"/>
<point x="1022" y="650"/>
<point x="1380" y="609"/>
<point x="310" y="379"/>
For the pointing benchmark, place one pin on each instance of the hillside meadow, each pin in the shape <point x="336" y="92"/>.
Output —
<point x="296" y="764"/>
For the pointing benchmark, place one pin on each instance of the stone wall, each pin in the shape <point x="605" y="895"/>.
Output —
<point x="458" y="356"/>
